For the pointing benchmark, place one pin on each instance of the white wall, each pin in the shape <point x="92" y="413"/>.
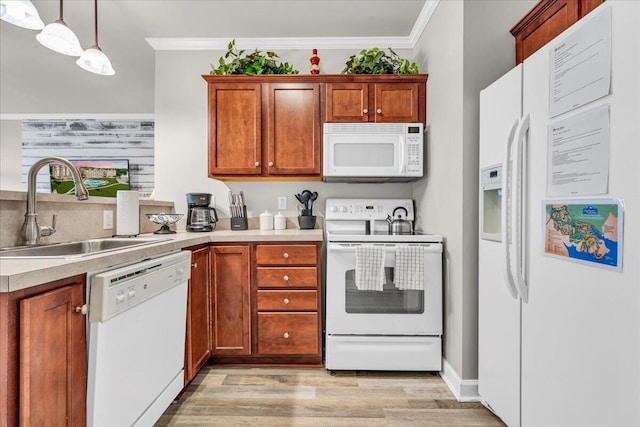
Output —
<point x="439" y="195"/>
<point x="181" y="137"/>
<point x="465" y="47"/>
<point x="11" y="155"/>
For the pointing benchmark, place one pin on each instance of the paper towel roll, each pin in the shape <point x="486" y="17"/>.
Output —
<point x="127" y="213"/>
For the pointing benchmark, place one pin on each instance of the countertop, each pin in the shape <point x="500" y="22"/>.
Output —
<point x="16" y="274"/>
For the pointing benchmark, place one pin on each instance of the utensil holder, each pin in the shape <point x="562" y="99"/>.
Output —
<point x="239" y="222"/>
<point x="307" y="222"/>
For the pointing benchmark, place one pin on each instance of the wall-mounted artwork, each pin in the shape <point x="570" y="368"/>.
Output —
<point x="101" y="177"/>
<point x="91" y="139"/>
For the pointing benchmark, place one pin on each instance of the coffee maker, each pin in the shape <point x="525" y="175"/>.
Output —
<point x="201" y="216"/>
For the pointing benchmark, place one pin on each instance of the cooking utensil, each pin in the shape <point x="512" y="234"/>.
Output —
<point x="398" y="225"/>
<point x="313" y="198"/>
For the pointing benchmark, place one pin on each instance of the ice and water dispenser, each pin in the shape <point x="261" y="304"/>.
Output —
<point x="491" y="203"/>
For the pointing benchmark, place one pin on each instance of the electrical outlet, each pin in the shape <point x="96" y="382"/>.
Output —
<point x="282" y="203"/>
<point x="107" y="220"/>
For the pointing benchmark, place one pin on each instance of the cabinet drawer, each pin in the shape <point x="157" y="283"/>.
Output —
<point x="287" y="300"/>
<point x="286" y="254"/>
<point x="288" y="333"/>
<point x="290" y="277"/>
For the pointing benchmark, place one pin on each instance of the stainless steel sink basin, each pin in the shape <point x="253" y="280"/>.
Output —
<point x="76" y="249"/>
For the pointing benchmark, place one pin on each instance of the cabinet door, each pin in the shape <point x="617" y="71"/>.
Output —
<point x="544" y="22"/>
<point x="53" y="358"/>
<point x="396" y="102"/>
<point x="347" y="102"/>
<point x="198" y="310"/>
<point x="231" y="305"/>
<point x="235" y="129"/>
<point x="293" y="135"/>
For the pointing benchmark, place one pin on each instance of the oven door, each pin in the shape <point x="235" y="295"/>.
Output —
<point x="391" y="311"/>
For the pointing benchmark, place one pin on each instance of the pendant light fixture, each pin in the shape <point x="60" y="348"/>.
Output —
<point x="59" y="38"/>
<point x="93" y="59"/>
<point x="21" y="13"/>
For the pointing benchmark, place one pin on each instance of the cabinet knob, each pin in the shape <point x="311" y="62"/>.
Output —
<point x="194" y="265"/>
<point x="379" y="111"/>
<point x="286" y="255"/>
<point x="270" y="163"/>
<point x="286" y="335"/>
<point x="285" y="278"/>
<point x="286" y="300"/>
<point x="365" y="111"/>
<point x="257" y="163"/>
<point x="84" y="309"/>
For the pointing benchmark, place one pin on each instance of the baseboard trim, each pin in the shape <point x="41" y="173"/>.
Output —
<point x="463" y="390"/>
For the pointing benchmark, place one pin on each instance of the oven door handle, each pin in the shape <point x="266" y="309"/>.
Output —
<point x="350" y="248"/>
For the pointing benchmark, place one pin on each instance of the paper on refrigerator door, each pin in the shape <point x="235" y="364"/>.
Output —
<point x="578" y="154"/>
<point x="580" y="65"/>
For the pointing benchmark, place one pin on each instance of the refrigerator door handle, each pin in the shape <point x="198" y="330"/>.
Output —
<point x="506" y="213"/>
<point x="519" y="196"/>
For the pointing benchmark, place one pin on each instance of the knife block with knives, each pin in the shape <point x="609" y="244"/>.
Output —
<point x="238" y="211"/>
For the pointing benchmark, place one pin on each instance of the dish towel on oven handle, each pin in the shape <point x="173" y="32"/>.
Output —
<point x="370" y="268"/>
<point x="409" y="270"/>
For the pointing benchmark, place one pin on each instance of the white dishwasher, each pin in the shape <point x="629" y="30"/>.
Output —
<point x="137" y="318"/>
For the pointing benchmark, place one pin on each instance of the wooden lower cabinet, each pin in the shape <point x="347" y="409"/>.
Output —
<point x="231" y="300"/>
<point x="197" y="340"/>
<point x="288" y="301"/>
<point x="264" y="305"/>
<point x="288" y="333"/>
<point x="43" y="356"/>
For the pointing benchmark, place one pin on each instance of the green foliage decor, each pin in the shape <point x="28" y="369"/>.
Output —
<point x="376" y="61"/>
<point x="252" y="63"/>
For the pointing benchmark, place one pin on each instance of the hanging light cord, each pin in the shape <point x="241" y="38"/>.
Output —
<point x="60" y="19"/>
<point x="95" y="16"/>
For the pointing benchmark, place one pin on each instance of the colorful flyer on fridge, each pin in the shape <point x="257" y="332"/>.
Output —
<point x="586" y="231"/>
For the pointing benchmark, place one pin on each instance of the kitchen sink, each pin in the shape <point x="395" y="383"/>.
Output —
<point x="76" y="249"/>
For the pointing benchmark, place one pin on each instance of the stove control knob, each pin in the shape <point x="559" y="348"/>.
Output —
<point x="343" y="209"/>
<point x="334" y="209"/>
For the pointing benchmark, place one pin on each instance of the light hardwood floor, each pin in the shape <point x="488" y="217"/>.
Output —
<point x="313" y="397"/>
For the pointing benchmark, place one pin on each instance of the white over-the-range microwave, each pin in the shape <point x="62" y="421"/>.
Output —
<point x="373" y="152"/>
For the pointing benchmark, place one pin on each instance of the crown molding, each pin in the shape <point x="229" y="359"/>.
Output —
<point x="422" y="21"/>
<point x="287" y="43"/>
<point x="281" y="43"/>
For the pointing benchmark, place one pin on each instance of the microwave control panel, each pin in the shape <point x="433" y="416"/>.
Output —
<point x="414" y="149"/>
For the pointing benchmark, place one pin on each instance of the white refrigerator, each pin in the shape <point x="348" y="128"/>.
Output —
<point x="559" y="328"/>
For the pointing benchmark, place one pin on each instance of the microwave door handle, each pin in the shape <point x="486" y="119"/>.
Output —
<point x="402" y="155"/>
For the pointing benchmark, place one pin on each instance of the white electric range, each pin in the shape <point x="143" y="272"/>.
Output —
<point x="389" y="327"/>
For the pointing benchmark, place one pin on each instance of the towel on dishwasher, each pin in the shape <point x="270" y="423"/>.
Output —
<point x="409" y="270"/>
<point x="370" y="268"/>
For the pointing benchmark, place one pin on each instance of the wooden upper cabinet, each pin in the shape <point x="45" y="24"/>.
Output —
<point x="372" y="102"/>
<point x="293" y="129"/>
<point x="53" y="358"/>
<point x="545" y="21"/>
<point x="347" y="102"/>
<point x="235" y="129"/>
<point x="396" y="102"/>
<point x="231" y="300"/>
